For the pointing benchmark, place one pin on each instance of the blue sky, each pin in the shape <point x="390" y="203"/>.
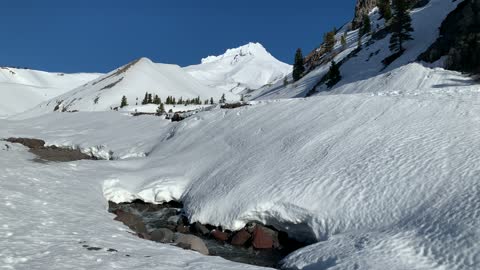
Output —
<point x="98" y="36"/>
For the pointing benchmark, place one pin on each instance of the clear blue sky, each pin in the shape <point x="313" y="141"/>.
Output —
<point x="98" y="36"/>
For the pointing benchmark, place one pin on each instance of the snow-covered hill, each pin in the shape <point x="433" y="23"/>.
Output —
<point x="22" y="89"/>
<point x="132" y="80"/>
<point x="359" y="67"/>
<point x="246" y="67"/>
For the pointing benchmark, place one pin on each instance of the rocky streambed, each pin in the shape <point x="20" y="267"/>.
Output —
<point x="254" y="244"/>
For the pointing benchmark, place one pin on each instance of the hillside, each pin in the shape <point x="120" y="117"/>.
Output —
<point x="246" y="67"/>
<point x="132" y="80"/>
<point x="363" y="71"/>
<point x="22" y="89"/>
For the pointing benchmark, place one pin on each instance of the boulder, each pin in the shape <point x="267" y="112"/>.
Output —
<point x="192" y="242"/>
<point x="162" y="235"/>
<point x="182" y="229"/>
<point x="200" y="228"/>
<point x="219" y="235"/>
<point x="134" y="222"/>
<point x="241" y="238"/>
<point x="262" y="239"/>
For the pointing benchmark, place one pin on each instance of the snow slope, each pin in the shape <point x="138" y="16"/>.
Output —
<point x="382" y="181"/>
<point x="131" y="80"/>
<point x="246" y="67"/>
<point x="357" y="69"/>
<point x="22" y="89"/>
<point x="51" y="214"/>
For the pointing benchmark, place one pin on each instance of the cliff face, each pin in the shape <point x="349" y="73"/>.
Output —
<point x="362" y="7"/>
<point x="459" y="39"/>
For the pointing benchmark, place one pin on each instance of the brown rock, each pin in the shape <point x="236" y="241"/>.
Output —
<point x="200" y="228"/>
<point x="134" y="222"/>
<point x="182" y="229"/>
<point x="162" y="235"/>
<point x="30" y="143"/>
<point x="262" y="239"/>
<point x="240" y="238"/>
<point x="219" y="235"/>
<point x="187" y="241"/>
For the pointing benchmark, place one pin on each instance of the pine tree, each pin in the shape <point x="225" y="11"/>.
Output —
<point x="222" y="99"/>
<point x="205" y="102"/>
<point x="359" y="41"/>
<point x="161" y="109"/>
<point x="366" y="25"/>
<point x="211" y="101"/>
<point x="401" y="26"/>
<point x="124" y="102"/>
<point x="145" y="99"/>
<point x="156" y="100"/>
<point x="329" y="41"/>
<point x="150" y="99"/>
<point x="385" y="9"/>
<point x="298" y="66"/>
<point x="344" y="40"/>
<point x="242" y="98"/>
<point x="333" y="75"/>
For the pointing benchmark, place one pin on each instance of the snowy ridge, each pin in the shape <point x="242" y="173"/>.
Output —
<point x="246" y="67"/>
<point x="22" y="89"/>
<point x="131" y="80"/>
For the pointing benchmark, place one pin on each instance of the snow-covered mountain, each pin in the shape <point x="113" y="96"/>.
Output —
<point x="133" y="81"/>
<point x="246" y="67"/>
<point x="22" y="89"/>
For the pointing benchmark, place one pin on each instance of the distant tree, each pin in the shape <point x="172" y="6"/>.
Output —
<point x="344" y="40"/>
<point x="205" y="102"/>
<point x="211" y="101"/>
<point x="285" y="81"/>
<point x="366" y="25"/>
<point x="161" y="109"/>
<point x="180" y="101"/>
<point x="359" y="41"/>
<point x="124" y="102"/>
<point x="242" y="98"/>
<point x="329" y="41"/>
<point x="145" y="99"/>
<point x="385" y="9"/>
<point x="222" y="99"/>
<point x="401" y="26"/>
<point x="156" y="100"/>
<point x="298" y="66"/>
<point x="173" y="100"/>
<point x="150" y="99"/>
<point x="333" y="75"/>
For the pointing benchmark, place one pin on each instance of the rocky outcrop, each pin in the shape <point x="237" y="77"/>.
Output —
<point x="363" y="7"/>
<point x="192" y="242"/>
<point x="459" y="39"/>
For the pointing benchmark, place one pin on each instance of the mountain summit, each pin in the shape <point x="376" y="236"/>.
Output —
<point x="247" y="67"/>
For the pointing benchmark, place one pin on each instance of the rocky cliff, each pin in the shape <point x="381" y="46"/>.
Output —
<point x="459" y="39"/>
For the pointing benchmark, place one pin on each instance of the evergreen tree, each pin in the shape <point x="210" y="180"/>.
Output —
<point x="401" y="26"/>
<point x="156" y="100"/>
<point x="385" y="9"/>
<point x="173" y="100"/>
<point x="145" y="99"/>
<point x="242" y="98"/>
<point x="366" y="25"/>
<point x="329" y="41"/>
<point x="150" y="99"/>
<point x="344" y="40"/>
<point x="285" y="81"/>
<point x="180" y="101"/>
<point x="333" y="75"/>
<point x="161" y="109"/>
<point x="211" y="101"/>
<point x="222" y="99"/>
<point x="359" y="41"/>
<point x="205" y="102"/>
<point x="124" y="102"/>
<point x="298" y="66"/>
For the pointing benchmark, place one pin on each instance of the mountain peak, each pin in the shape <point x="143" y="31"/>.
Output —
<point x="234" y="55"/>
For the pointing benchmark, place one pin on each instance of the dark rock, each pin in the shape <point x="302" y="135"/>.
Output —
<point x="219" y="235"/>
<point x="191" y="242"/>
<point x="182" y="229"/>
<point x="162" y="235"/>
<point x="200" y="228"/>
<point x="30" y="143"/>
<point x="262" y="239"/>
<point x="177" y="117"/>
<point x="362" y="7"/>
<point x="134" y="222"/>
<point x="241" y="238"/>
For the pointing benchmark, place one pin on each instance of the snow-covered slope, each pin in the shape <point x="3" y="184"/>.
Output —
<point x="357" y="69"/>
<point x="131" y="80"/>
<point x="246" y="67"/>
<point x="380" y="181"/>
<point x="22" y="89"/>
